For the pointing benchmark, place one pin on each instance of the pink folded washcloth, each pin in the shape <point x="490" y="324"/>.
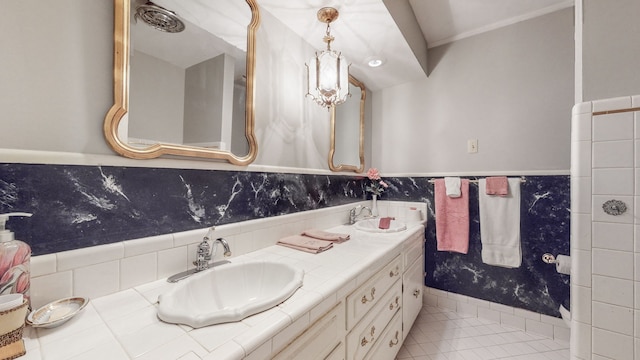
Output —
<point x="325" y="235"/>
<point x="452" y="218"/>
<point x="385" y="222"/>
<point x="497" y="185"/>
<point x="305" y="243"/>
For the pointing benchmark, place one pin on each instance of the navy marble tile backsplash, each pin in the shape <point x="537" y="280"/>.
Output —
<point x="544" y="227"/>
<point x="80" y="206"/>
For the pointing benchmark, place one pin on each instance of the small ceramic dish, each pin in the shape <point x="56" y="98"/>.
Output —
<point x="57" y="312"/>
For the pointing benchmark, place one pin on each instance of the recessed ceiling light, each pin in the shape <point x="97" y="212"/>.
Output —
<point x="375" y="61"/>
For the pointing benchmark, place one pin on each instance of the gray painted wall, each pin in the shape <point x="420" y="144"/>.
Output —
<point x="56" y="86"/>
<point x="156" y="103"/>
<point x="510" y="88"/>
<point x="611" y="49"/>
<point x="56" y="75"/>
<point x="209" y="101"/>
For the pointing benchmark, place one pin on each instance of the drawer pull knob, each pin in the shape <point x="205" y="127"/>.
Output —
<point x="393" y="273"/>
<point x="397" y="304"/>
<point x="416" y="293"/>
<point x="394" y="342"/>
<point x="364" y="340"/>
<point x="364" y="297"/>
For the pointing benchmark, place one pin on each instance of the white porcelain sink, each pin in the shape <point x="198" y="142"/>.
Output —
<point x="229" y="292"/>
<point x="371" y="225"/>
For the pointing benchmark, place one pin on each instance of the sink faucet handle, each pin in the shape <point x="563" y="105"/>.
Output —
<point x="203" y="256"/>
<point x="204" y="249"/>
<point x="352" y="215"/>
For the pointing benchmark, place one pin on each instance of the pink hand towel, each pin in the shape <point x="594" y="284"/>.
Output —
<point x="497" y="185"/>
<point x="304" y="243"/>
<point x="326" y="235"/>
<point x="452" y="218"/>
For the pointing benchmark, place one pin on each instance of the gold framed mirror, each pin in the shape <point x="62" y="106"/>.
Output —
<point x="347" y="131"/>
<point x="117" y="121"/>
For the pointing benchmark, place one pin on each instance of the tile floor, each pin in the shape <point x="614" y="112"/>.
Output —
<point x="440" y="334"/>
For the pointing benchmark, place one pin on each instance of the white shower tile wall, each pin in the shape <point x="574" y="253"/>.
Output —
<point x="528" y="321"/>
<point x="605" y="288"/>
<point x="106" y="269"/>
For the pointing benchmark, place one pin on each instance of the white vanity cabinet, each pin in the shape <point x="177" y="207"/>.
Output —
<point x="412" y="282"/>
<point x="365" y="297"/>
<point x="374" y="319"/>
<point x="365" y="335"/>
<point x="386" y="348"/>
<point x="383" y="321"/>
<point x="322" y="340"/>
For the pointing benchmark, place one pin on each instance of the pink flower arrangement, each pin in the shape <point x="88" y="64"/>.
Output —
<point x="377" y="185"/>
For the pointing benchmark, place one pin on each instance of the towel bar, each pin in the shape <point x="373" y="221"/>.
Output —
<point x="522" y="179"/>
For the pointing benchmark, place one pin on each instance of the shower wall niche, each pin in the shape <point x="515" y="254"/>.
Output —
<point x="605" y="247"/>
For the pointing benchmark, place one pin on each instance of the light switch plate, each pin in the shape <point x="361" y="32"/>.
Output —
<point x="472" y="146"/>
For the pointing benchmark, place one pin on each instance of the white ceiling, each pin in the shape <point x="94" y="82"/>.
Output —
<point x="365" y="29"/>
<point x="443" y="21"/>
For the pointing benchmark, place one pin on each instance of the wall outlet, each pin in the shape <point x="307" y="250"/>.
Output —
<point x="472" y="146"/>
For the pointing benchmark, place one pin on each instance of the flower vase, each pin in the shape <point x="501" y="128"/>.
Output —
<point x="374" y="205"/>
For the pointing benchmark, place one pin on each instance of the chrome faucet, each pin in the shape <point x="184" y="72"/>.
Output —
<point x="203" y="257"/>
<point x="206" y="252"/>
<point x="353" y="217"/>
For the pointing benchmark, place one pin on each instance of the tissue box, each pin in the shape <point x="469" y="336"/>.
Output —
<point x="11" y="326"/>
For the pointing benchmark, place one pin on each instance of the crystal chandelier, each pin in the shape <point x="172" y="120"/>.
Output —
<point x="328" y="71"/>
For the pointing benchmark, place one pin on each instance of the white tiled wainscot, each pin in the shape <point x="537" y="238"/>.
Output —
<point x="124" y="280"/>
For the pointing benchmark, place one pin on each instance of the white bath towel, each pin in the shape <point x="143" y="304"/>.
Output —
<point x="500" y="226"/>
<point x="452" y="186"/>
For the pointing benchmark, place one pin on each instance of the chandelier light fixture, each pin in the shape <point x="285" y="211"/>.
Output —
<point x="328" y="71"/>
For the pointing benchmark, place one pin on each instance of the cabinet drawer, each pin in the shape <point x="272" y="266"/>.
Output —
<point x="364" y="335"/>
<point x="319" y="339"/>
<point x="413" y="249"/>
<point x="413" y="280"/>
<point x="389" y="343"/>
<point x="367" y="295"/>
<point x="337" y="353"/>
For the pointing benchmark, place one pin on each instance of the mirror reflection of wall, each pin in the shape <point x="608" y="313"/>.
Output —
<point x="188" y="87"/>
<point x="347" y="131"/>
<point x="293" y="128"/>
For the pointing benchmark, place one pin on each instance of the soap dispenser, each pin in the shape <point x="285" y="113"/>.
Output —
<point x="15" y="257"/>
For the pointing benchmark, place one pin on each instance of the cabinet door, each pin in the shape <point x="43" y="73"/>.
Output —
<point x="412" y="249"/>
<point x="412" y="280"/>
<point x="319" y="340"/>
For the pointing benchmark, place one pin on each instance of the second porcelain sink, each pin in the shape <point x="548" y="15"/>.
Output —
<point x="229" y="293"/>
<point x="371" y="225"/>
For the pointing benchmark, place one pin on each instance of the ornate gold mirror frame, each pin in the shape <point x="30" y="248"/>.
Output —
<point x="120" y="107"/>
<point x="342" y="167"/>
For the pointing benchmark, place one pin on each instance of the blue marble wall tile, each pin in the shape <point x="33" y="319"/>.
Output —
<point x="544" y="227"/>
<point x="82" y="206"/>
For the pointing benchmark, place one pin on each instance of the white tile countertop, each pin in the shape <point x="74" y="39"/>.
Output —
<point x="124" y="325"/>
